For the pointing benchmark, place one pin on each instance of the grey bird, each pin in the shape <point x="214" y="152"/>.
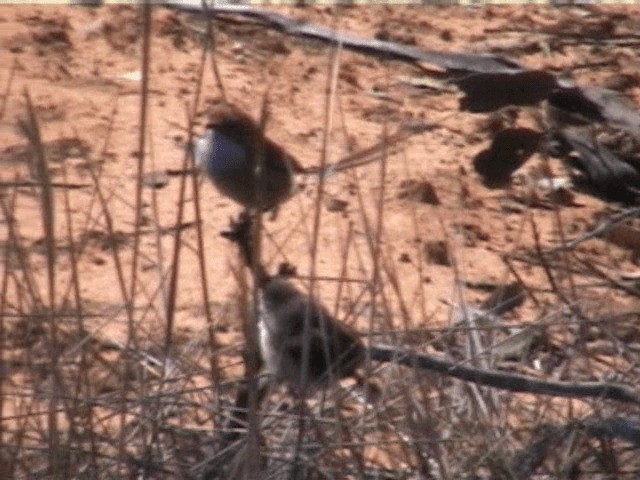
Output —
<point x="287" y="318"/>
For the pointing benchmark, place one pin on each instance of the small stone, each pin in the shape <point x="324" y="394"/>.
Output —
<point x="418" y="191"/>
<point x="437" y="252"/>
<point x="155" y="180"/>
<point x="336" y="205"/>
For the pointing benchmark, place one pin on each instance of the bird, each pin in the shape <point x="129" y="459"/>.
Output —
<point x="287" y="318"/>
<point x="232" y="142"/>
<point x="228" y="152"/>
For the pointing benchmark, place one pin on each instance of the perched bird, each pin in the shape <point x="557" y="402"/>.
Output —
<point x="232" y="143"/>
<point x="228" y="152"/>
<point x="286" y="319"/>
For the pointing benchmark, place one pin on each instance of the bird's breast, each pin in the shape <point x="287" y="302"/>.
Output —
<point x="268" y="349"/>
<point x="220" y="156"/>
<point x="228" y="155"/>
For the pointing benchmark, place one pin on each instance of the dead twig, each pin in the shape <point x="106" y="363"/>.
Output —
<point x="514" y="382"/>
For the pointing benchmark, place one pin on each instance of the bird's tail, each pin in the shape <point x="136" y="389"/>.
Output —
<point x="370" y="154"/>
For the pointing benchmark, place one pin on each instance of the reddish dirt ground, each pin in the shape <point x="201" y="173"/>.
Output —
<point x="81" y="69"/>
<point x="80" y="65"/>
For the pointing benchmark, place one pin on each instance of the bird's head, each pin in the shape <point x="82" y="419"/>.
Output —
<point x="232" y="122"/>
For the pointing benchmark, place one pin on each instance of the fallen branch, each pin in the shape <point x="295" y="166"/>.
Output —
<point x="507" y="381"/>
<point x="463" y="62"/>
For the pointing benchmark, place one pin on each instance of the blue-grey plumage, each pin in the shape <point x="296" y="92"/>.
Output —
<point x="228" y="152"/>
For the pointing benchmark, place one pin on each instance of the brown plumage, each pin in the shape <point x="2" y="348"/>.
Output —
<point x="292" y="326"/>
<point x="229" y="151"/>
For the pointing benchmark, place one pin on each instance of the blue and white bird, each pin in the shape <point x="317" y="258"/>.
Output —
<point x="228" y="152"/>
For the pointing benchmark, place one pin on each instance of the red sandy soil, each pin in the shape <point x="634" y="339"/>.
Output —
<point x="81" y="66"/>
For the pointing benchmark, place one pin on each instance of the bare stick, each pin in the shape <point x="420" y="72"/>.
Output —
<point x="142" y="134"/>
<point x="31" y="130"/>
<point x="507" y="381"/>
<point x="7" y="90"/>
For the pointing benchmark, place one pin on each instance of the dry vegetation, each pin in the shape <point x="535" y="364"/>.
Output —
<point x="120" y="334"/>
